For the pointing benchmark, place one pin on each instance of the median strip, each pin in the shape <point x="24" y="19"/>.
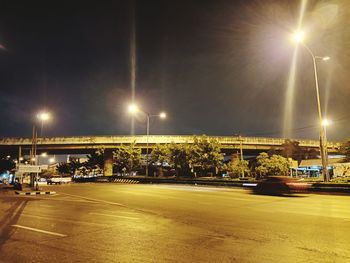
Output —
<point x="35" y="192"/>
<point x="39" y="230"/>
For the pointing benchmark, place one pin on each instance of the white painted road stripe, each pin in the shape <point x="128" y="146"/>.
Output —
<point x="40" y="231"/>
<point x="126" y="217"/>
<point x="93" y="199"/>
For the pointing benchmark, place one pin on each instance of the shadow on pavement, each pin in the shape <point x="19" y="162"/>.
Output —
<point x="14" y="207"/>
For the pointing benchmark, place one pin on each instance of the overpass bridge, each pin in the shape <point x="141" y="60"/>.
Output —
<point x="87" y="144"/>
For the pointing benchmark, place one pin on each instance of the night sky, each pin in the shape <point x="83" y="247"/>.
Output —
<point x="216" y="67"/>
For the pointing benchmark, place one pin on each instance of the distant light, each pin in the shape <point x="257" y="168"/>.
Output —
<point x="162" y="115"/>
<point x="51" y="160"/>
<point x="326" y="122"/>
<point x="133" y="108"/>
<point x="326" y="58"/>
<point x="43" y="116"/>
<point x="8" y="156"/>
<point x="44" y="154"/>
<point x="33" y="159"/>
<point x="299" y="36"/>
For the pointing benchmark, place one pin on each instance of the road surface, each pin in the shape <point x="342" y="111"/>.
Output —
<point x="172" y="223"/>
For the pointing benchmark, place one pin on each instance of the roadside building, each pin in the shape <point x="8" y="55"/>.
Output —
<point x="313" y="167"/>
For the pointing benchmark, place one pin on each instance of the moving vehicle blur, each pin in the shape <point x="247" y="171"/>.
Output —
<point x="280" y="185"/>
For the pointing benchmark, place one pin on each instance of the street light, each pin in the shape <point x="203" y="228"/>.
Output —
<point x="43" y="117"/>
<point x="133" y="109"/>
<point x="299" y="38"/>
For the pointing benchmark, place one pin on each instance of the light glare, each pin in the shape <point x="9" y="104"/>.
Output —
<point x="299" y="36"/>
<point x="162" y="115"/>
<point x="43" y="116"/>
<point x="133" y="108"/>
<point x="326" y="122"/>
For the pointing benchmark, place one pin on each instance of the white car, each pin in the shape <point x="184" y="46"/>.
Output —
<point x="59" y="180"/>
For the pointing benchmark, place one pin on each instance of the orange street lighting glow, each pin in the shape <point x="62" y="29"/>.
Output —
<point x="298" y="36"/>
<point x="43" y="116"/>
<point x="133" y="108"/>
<point x="326" y="122"/>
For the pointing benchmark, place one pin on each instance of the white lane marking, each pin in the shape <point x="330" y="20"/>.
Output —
<point x="43" y="205"/>
<point x="77" y="222"/>
<point x="96" y="200"/>
<point x="75" y="201"/>
<point x="120" y="212"/>
<point x="117" y="216"/>
<point x="40" y="230"/>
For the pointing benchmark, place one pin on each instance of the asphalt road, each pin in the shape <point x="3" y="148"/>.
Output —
<point x="172" y="223"/>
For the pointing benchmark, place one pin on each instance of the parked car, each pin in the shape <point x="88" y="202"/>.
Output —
<point x="59" y="180"/>
<point x="280" y="185"/>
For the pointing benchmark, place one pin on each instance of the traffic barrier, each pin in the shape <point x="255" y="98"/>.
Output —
<point x="125" y="181"/>
<point x="35" y="193"/>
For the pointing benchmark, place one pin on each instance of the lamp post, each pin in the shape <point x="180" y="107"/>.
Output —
<point x="299" y="37"/>
<point x="43" y="117"/>
<point x="134" y="109"/>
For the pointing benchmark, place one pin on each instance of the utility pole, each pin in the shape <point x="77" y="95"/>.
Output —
<point x="241" y="154"/>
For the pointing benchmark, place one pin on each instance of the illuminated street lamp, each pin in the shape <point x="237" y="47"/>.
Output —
<point x="43" y="117"/>
<point x="133" y="109"/>
<point x="326" y="122"/>
<point x="299" y="38"/>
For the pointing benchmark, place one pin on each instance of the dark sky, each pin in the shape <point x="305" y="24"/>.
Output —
<point x="216" y="67"/>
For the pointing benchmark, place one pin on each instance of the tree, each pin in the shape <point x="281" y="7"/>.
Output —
<point x="271" y="165"/>
<point x="206" y="154"/>
<point x="63" y="168"/>
<point x="71" y="167"/>
<point x="179" y="158"/>
<point x="236" y="167"/>
<point x="160" y="155"/>
<point x="95" y="162"/>
<point x="345" y="149"/>
<point x="291" y="149"/>
<point x="6" y="164"/>
<point x="127" y="158"/>
<point x="263" y="161"/>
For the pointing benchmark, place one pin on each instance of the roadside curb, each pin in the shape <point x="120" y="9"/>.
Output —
<point x="125" y="181"/>
<point x="35" y="193"/>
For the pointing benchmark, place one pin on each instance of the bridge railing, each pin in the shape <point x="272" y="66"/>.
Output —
<point x="155" y="139"/>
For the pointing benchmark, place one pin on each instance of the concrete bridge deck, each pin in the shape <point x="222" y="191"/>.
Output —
<point x="108" y="142"/>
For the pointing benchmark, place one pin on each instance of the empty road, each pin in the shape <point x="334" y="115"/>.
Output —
<point x="172" y="223"/>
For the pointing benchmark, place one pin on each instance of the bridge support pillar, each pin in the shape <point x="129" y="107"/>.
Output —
<point x="108" y="162"/>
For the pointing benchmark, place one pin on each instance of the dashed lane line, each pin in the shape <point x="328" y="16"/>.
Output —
<point x="117" y="216"/>
<point x="39" y="230"/>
